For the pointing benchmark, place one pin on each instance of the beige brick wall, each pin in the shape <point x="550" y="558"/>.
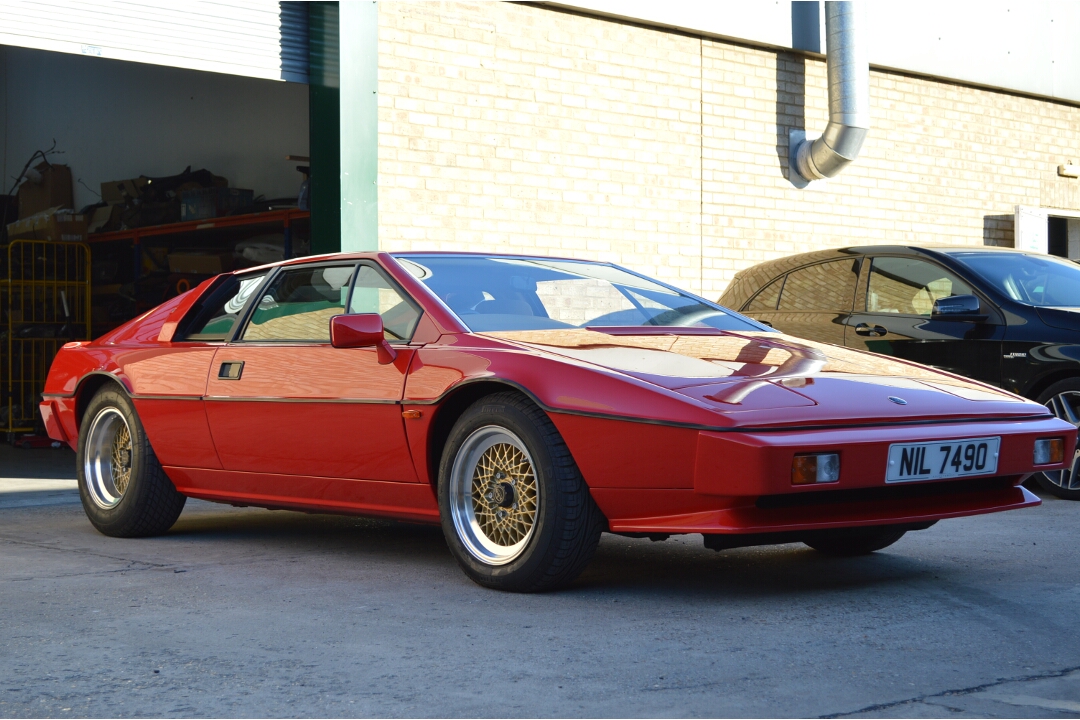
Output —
<point x="505" y="127"/>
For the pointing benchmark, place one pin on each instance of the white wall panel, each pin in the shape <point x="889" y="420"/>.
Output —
<point x="239" y="37"/>
<point x="1029" y="47"/>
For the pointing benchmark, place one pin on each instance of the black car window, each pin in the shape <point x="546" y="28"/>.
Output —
<point x="908" y="286"/>
<point x="825" y="287"/>
<point x="213" y="320"/>
<point x="373" y="293"/>
<point x="1031" y="279"/>
<point x="297" y="304"/>
<point x="766" y="299"/>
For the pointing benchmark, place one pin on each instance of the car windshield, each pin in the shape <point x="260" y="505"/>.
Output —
<point x="1031" y="279"/>
<point x="508" y="293"/>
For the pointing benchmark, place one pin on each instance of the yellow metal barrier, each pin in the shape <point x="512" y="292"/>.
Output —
<point x="44" y="303"/>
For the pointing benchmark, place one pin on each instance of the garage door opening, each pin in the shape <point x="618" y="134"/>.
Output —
<point x="1052" y="231"/>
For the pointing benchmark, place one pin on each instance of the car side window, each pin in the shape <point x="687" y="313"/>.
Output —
<point x="373" y="293"/>
<point x="217" y="315"/>
<point x="766" y="299"/>
<point x="297" y="304"/>
<point x="908" y="286"/>
<point x="825" y="287"/>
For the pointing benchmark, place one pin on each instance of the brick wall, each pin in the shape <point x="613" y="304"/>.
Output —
<point x="522" y="129"/>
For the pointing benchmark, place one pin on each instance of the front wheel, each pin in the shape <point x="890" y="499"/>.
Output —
<point x="124" y="490"/>
<point x="848" y="542"/>
<point x="1063" y="399"/>
<point x="515" y="510"/>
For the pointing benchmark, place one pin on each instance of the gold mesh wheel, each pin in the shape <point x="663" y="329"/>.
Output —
<point x="107" y="465"/>
<point x="121" y="459"/>
<point x="504" y="494"/>
<point x="494" y="495"/>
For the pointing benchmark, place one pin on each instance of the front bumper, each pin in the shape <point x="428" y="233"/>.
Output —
<point x="742" y="481"/>
<point x="759" y="463"/>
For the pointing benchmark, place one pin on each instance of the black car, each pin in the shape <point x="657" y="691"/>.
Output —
<point x="1004" y="317"/>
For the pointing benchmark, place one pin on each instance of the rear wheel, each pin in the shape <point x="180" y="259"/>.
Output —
<point x="847" y="542"/>
<point x="516" y="512"/>
<point x="124" y="490"/>
<point x="1063" y="399"/>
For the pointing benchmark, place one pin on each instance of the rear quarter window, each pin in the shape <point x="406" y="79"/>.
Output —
<point x="214" y="317"/>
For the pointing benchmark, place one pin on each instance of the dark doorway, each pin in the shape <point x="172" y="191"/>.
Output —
<point x="1057" y="237"/>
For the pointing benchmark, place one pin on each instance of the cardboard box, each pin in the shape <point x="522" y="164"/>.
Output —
<point x="55" y="224"/>
<point x="200" y="262"/>
<point x="119" y="192"/>
<point x="48" y="186"/>
<point x="9" y="213"/>
<point x="105" y="219"/>
<point x="203" y="203"/>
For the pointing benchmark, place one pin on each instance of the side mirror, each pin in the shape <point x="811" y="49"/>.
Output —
<point x="359" y="331"/>
<point x="957" y="307"/>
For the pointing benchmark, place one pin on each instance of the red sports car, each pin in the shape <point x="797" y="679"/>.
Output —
<point x="528" y="404"/>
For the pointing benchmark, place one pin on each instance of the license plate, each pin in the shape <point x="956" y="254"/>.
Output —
<point x="910" y="462"/>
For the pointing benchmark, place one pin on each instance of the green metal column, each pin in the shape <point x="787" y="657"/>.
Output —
<point x="359" y="125"/>
<point x="324" y="127"/>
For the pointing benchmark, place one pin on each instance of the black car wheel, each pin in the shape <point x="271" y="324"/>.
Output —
<point x="1063" y="399"/>
<point x="123" y="488"/>
<point x="847" y="542"/>
<point x="515" y="510"/>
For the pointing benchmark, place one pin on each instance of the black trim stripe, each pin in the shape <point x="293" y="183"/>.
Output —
<point x="325" y="401"/>
<point x="166" y="397"/>
<point x="796" y="428"/>
<point x="595" y="415"/>
<point x="713" y="428"/>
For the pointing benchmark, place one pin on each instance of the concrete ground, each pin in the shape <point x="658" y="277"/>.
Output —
<point x="246" y="612"/>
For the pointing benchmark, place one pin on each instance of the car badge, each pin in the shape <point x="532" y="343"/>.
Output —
<point x="898" y="401"/>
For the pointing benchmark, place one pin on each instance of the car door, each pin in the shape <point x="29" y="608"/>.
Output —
<point x="812" y="302"/>
<point x="282" y="401"/>
<point x="894" y="317"/>
<point x="169" y="381"/>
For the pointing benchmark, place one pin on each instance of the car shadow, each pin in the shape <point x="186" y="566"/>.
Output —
<point x="681" y="566"/>
<point x="687" y="567"/>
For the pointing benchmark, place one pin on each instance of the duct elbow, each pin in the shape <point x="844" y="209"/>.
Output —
<point x="849" y="98"/>
<point x="827" y="156"/>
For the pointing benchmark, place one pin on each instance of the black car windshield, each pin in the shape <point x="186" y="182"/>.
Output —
<point x="1031" y="279"/>
<point x="512" y="293"/>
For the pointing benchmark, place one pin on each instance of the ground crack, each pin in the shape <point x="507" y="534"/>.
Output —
<point x="44" y="546"/>
<point x="951" y="693"/>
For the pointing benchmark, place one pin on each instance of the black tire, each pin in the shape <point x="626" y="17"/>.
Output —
<point x="565" y="525"/>
<point x="1063" y="484"/>
<point x="848" y="542"/>
<point x="148" y="503"/>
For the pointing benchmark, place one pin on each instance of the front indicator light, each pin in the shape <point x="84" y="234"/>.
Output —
<point x="1049" y="450"/>
<point x="817" y="468"/>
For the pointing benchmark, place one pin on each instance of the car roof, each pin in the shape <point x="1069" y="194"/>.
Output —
<point x="749" y="281"/>
<point x="373" y="254"/>
<point x="792" y="261"/>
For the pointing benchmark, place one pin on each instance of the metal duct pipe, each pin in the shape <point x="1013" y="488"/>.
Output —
<point x="849" y="96"/>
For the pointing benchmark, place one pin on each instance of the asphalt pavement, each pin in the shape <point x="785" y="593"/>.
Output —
<point x="249" y="612"/>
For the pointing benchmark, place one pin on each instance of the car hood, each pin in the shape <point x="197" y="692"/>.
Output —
<point x="757" y="373"/>
<point x="1063" y="318"/>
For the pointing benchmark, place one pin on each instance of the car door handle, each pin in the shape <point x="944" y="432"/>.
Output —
<point x="867" y="331"/>
<point x="230" y="370"/>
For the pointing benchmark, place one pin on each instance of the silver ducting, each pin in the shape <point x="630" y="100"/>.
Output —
<point x="849" y="97"/>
